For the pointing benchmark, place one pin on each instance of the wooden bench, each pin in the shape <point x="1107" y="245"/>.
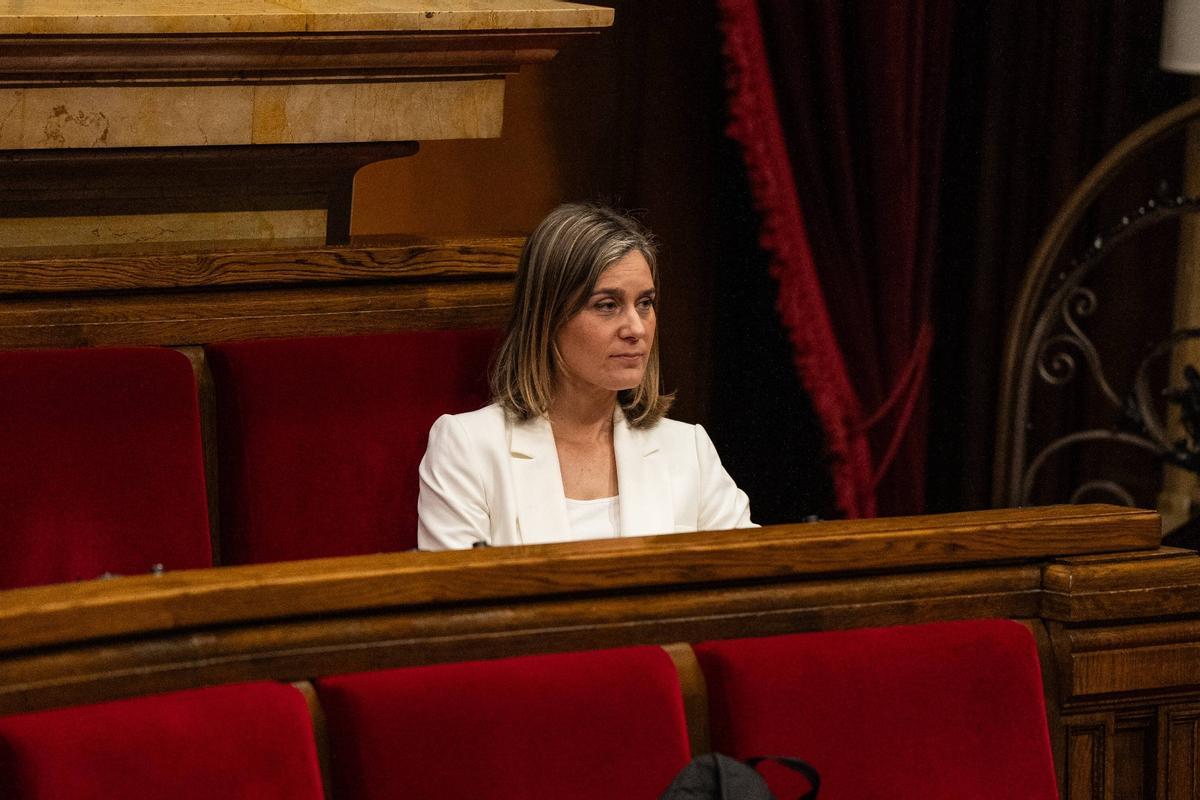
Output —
<point x="1114" y="617"/>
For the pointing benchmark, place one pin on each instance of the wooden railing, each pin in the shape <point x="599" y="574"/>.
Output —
<point x="1117" y="618"/>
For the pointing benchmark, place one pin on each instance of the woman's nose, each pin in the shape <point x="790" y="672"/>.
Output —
<point x="634" y="326"/>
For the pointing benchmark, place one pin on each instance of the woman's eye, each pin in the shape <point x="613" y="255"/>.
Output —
<point x="646" y="303"/>
<point x="607" y="306"/>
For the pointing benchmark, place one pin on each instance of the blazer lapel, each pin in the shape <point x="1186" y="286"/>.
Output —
<point x="643" y="480"/>
<point x="541" y="504"/>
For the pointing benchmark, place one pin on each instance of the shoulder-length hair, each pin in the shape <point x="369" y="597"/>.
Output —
<point x="559" y="268"/>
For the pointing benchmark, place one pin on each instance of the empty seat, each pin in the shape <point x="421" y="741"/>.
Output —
<point x="320" y="439"/>
<point x="599" y="725"/>
<point x="943" y="710"/>
<point x="251" y="741"/>
<point x="100" y="464"/>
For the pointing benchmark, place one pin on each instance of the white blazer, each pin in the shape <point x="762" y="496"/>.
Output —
<point x="485" y="478"/>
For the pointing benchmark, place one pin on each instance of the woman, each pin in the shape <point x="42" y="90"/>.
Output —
<point x="575" y="445"/>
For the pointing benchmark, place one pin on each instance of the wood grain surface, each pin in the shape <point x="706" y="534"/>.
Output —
<point x="406" y="261"/>
<point x="350" y="641"/>
<point x="1151" y="583"/>
<point x="198" y="298"/>
<point x="196" y="598"/>
<point x="205" y="317"/>
<point x="1122" y="680"/>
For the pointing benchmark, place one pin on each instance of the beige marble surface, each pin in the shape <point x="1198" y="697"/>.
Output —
<point x="290" y="16"/>
<point x="133" y="116"/>
<point x="129" y="234"/>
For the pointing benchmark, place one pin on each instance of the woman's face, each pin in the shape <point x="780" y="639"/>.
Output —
<point x="604" y="347"/>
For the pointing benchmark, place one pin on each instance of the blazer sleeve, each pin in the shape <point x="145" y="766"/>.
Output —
<point x="722" y="504"/>
<point x="452" y="507"/>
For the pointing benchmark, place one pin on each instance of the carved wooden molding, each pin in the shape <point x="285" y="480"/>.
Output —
<point x="365" y="260"/>
<point x="102" y="639"/>
<point x="199" y="298"/>
<point x="1108" y="587"/>
<point x="30" y="61"/>
<point x="140" y="604"/>
<point x="81" y="182"/>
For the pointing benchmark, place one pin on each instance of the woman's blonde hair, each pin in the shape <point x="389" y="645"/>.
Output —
<point x="560" y="265"/>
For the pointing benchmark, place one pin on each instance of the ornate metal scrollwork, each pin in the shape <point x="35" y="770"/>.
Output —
<point x="1186" y="452"/>
<point x="1059" y="345"/>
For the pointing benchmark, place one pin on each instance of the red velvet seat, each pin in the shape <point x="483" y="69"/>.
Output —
<point x="587" y="726"/>
<point x="943" y="710"/>
<point x="100" y="464"/>
<point x="249" y="741"/>
<point x="320" y="439"/>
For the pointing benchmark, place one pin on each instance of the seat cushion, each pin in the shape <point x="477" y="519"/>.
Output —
<point x="600" y="725"/>
<point x="321" y="438"/>
<point x="249" y="741"/>
<point x="100" y="464"/>
<point x="943" y="710"/>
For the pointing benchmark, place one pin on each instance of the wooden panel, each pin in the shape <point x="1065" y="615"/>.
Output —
<point x="44" y="615"/>
<point x="212" y="317"/>
<point x="320" y="732"/>
<point x="1166" y="581"/>
<point x="480" y="259"/>
<point x="1134" y="756"/>
<point x="207" y="397"/>
<point x="1179" y="737"/>
<point x="1051" y="693"/>
<point x="1088" y="758"/>
<point x="129" y="180"/>
<point x="694" y="689"/>
<point x="1136" y="670"/>
<point x="1145" y="657"/>
<point x="300" y="642"/>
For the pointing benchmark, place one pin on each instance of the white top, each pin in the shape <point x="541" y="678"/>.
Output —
<point x="486" y="478"/>
<point x="594" y="519"/>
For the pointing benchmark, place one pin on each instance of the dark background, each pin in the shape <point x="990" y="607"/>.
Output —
<point x="1037" y="93"/>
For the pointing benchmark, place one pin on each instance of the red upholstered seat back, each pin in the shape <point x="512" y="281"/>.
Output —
<point x="320" y="439"/>
<point x="100" y="465"/>
<point x="249" y="741"/>
<point x="943" y="710"/>
<point x="599" y="725"/>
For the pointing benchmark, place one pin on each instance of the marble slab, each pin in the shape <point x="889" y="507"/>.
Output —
<point x="117" y="17"/>
<point x="130" y="234"/>
<point x="164" y="116"/>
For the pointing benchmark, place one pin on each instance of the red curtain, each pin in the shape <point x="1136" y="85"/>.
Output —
<point x="839" y="110"/>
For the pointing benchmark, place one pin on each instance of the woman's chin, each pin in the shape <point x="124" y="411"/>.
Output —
<point x="625" y="385"/>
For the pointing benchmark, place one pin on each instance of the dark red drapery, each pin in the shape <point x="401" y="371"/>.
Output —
<point x="839" y="109"/>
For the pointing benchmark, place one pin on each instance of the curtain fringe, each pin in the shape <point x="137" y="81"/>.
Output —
<point x="754" y="124"/>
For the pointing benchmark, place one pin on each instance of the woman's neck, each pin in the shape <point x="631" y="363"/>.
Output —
<point x="583" y="416"/>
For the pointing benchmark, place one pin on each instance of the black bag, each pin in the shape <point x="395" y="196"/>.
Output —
<point x="718" y="777"/>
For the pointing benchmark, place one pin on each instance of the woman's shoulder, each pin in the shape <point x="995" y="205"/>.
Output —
<point x="675" y="432"/>
<point x="471" y="434"/>
<point x="686" y="441"/>
<point x="484" y="420"/>
<point x="674" y="427"/>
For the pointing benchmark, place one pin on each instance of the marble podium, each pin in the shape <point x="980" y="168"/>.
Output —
<point x="156" y="126"/>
